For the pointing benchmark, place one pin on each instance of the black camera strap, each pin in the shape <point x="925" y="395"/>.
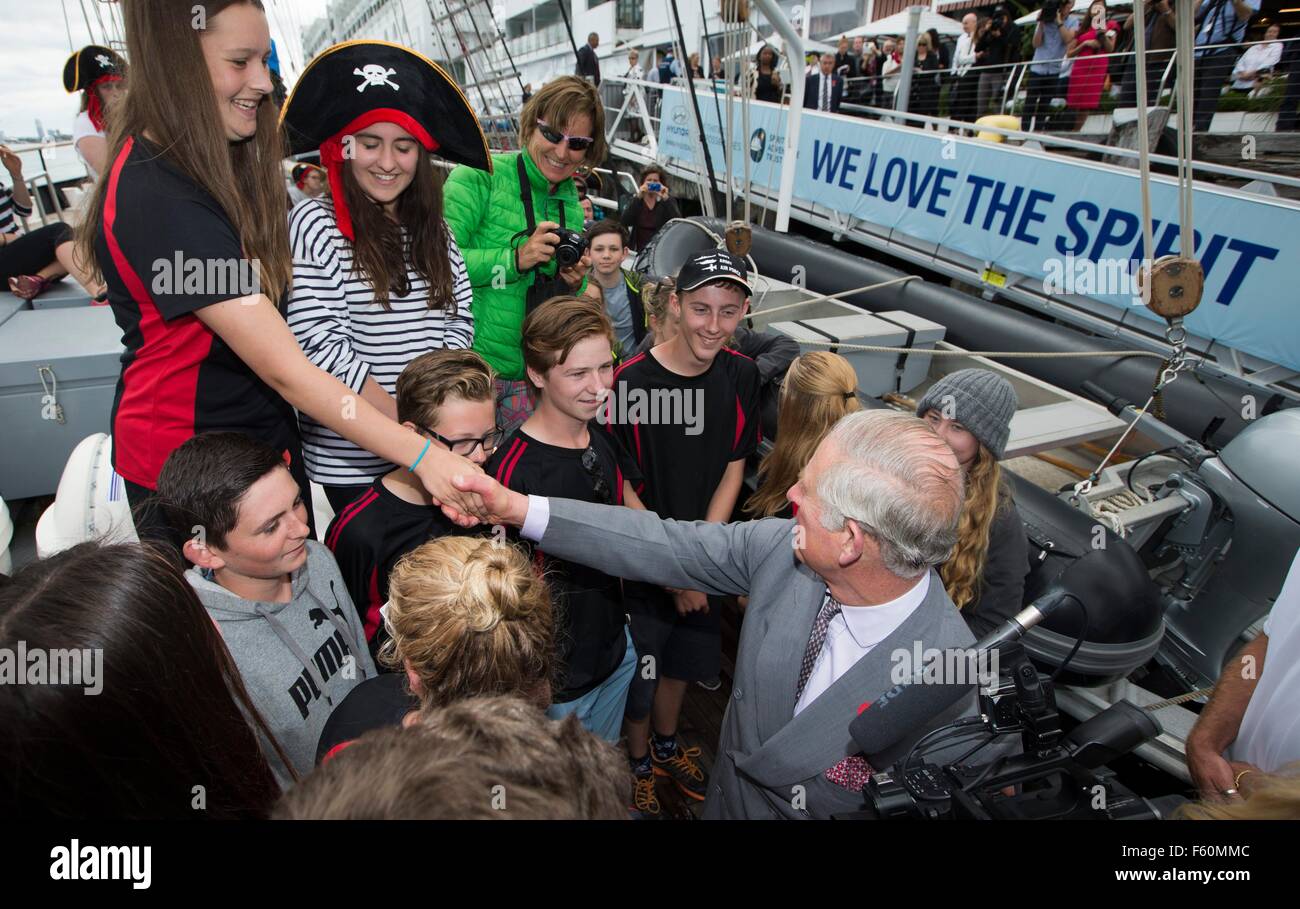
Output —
<point x="526" y="196"/>
<point x="543" y="287"/>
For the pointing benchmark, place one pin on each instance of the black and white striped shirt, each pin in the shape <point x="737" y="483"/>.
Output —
<point x="8" y="208"/>
<point x="343" y="330"/>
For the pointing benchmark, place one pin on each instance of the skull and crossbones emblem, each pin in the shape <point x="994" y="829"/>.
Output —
<point x="104" y="61"/>
<point x="373" y="74"/>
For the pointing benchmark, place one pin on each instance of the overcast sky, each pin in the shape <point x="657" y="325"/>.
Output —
<point x="36" y="46"/>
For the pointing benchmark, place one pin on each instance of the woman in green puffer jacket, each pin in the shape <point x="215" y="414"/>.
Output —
<point x="561" y="129"/>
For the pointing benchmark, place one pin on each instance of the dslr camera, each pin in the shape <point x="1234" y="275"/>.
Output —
<point x="570" y="248"/>
<point x="1051" y="9"/>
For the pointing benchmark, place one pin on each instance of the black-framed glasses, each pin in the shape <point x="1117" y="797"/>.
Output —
<point x="465" y="447"/>
<point x="599" y="485"/>
<point x="555" y="137"/>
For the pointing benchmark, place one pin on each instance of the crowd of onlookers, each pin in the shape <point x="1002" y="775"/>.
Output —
<point x="1078" y="62"/>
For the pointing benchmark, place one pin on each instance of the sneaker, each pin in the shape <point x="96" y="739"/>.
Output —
<point x="682" y="770"/>
<point x="712" y="684"/>
<point x="645" y="804"/>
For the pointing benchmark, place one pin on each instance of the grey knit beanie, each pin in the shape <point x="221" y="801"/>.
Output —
<point x="978" y="399"/>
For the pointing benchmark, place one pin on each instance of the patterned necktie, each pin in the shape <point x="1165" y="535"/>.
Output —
<point x="830" y="609"/>
<point x="826" y="93"/>
<point x="852" y="772"/>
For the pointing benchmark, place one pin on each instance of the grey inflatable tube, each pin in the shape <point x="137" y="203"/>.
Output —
<point x="1190" y="403"/>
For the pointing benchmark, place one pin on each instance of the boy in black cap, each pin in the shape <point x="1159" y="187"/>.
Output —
<point x="688" y="411"/>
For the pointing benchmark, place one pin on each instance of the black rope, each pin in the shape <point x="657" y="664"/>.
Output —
<point x="695" y="105"/>
<point x="568" y="26"/>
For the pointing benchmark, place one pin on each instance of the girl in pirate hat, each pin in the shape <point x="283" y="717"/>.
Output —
<point x="188" y="229"/>
<point x="97" y="73"/>
<point x="377" y="276"/>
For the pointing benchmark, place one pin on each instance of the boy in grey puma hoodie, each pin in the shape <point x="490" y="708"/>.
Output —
<point x="275" y="593"/>
<point x="298" y="659"/>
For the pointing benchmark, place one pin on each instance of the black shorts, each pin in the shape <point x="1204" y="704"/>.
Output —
<point x="32" y="251"/>
<point x="685" y="647"/>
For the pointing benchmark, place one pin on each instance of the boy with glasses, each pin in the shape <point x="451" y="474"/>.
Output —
<point x="448" y="397"/>
<point x="569" y="364"/>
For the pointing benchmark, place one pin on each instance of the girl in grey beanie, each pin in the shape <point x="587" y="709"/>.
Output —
<point x="971" y="410"/>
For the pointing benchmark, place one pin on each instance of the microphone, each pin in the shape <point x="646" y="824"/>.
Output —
<point x="901" y="711"/>
<point x="1015" y="627"/>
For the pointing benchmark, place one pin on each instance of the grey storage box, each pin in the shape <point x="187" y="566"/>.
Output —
<point x="63" y="295"/>
<point x="9" y="305"/>
<point x="878" y="373"/>
<point x="78" y="353"/>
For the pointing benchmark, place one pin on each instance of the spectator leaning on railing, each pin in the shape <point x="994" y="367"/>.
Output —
<point x="1219" y="22"/>
<point x="1258" y="62"/>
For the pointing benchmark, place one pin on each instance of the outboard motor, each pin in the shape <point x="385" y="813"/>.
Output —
<point x="1236" y="545"/>
<point x="1070" y="553"/>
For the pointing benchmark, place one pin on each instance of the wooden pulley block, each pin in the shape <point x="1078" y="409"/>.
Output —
<point x="739" y="238"/>
<point x="1176" y="286"/>
<point x="735" y="11"/>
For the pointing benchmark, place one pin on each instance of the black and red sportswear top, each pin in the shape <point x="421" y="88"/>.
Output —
<point x="684" y="463"/>
<point x="167" y="250"/>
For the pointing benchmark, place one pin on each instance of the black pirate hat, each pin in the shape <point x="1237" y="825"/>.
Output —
<point x="349" y="81"/>
<point x="349" y="86"/>
<point x="90" y="64"/>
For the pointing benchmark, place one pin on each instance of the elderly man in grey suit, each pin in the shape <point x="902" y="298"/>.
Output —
<point x="837" y="596"/>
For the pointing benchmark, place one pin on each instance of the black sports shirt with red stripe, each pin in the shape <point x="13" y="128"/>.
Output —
<point x="682" y="466"/>
<point x="167" y="250"/>
<point x="591" y="639"/>
<point x="368" y="536"/>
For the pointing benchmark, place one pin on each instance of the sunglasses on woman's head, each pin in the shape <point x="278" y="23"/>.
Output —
<point x="555" y="137"/>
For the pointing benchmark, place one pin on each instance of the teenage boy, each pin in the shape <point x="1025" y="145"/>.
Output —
<point x="569" y="365"/>
<point x="620" y="287"/>
<point x="274" y="592"/>
<point x="689" y="411"/>
<point x="446" y="396"/>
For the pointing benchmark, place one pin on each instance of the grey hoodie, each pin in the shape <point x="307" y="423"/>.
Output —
<point x="298" y="659"/>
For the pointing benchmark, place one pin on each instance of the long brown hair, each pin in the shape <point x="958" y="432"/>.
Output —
<point x="818" y="389"/>
<point x="381" y="253"/>
<point x="986" y="494"/>
<point x="177" y="107"/>
<point x="167" y="734"/>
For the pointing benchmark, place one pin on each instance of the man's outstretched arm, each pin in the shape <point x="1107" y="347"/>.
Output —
<point x="1220" y="721"/>
<point x="716" y="559"/>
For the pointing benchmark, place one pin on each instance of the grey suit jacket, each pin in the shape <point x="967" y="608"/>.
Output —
<point x="770" y="762"/>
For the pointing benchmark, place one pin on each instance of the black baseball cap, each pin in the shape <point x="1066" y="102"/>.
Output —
<point x="714" y="265"/>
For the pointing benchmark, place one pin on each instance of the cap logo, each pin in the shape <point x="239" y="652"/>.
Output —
<point x="375" y="75"/>
<point x="103" y="61"/>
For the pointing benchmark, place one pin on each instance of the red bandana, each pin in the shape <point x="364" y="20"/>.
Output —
<point x="331" y="155"/>
<point x="93" y="105"/>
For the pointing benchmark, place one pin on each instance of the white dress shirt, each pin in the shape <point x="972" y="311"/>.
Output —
<point x="963" y="58"/>
<point x="825" y="90"/>
<point x="853" y="634"/>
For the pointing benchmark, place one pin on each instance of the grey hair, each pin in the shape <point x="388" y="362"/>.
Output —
<point x="889" y="479"/>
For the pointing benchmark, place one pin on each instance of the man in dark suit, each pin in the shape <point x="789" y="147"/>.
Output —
<point x="836" y="595"/>
<point x="588" y="66"/>
<point x="824" y="89"/>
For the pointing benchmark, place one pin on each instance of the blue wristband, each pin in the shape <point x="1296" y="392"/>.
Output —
<point x="421" y="457"/>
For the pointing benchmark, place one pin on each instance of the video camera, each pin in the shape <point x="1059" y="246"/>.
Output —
<point x="1056" y="776"/>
